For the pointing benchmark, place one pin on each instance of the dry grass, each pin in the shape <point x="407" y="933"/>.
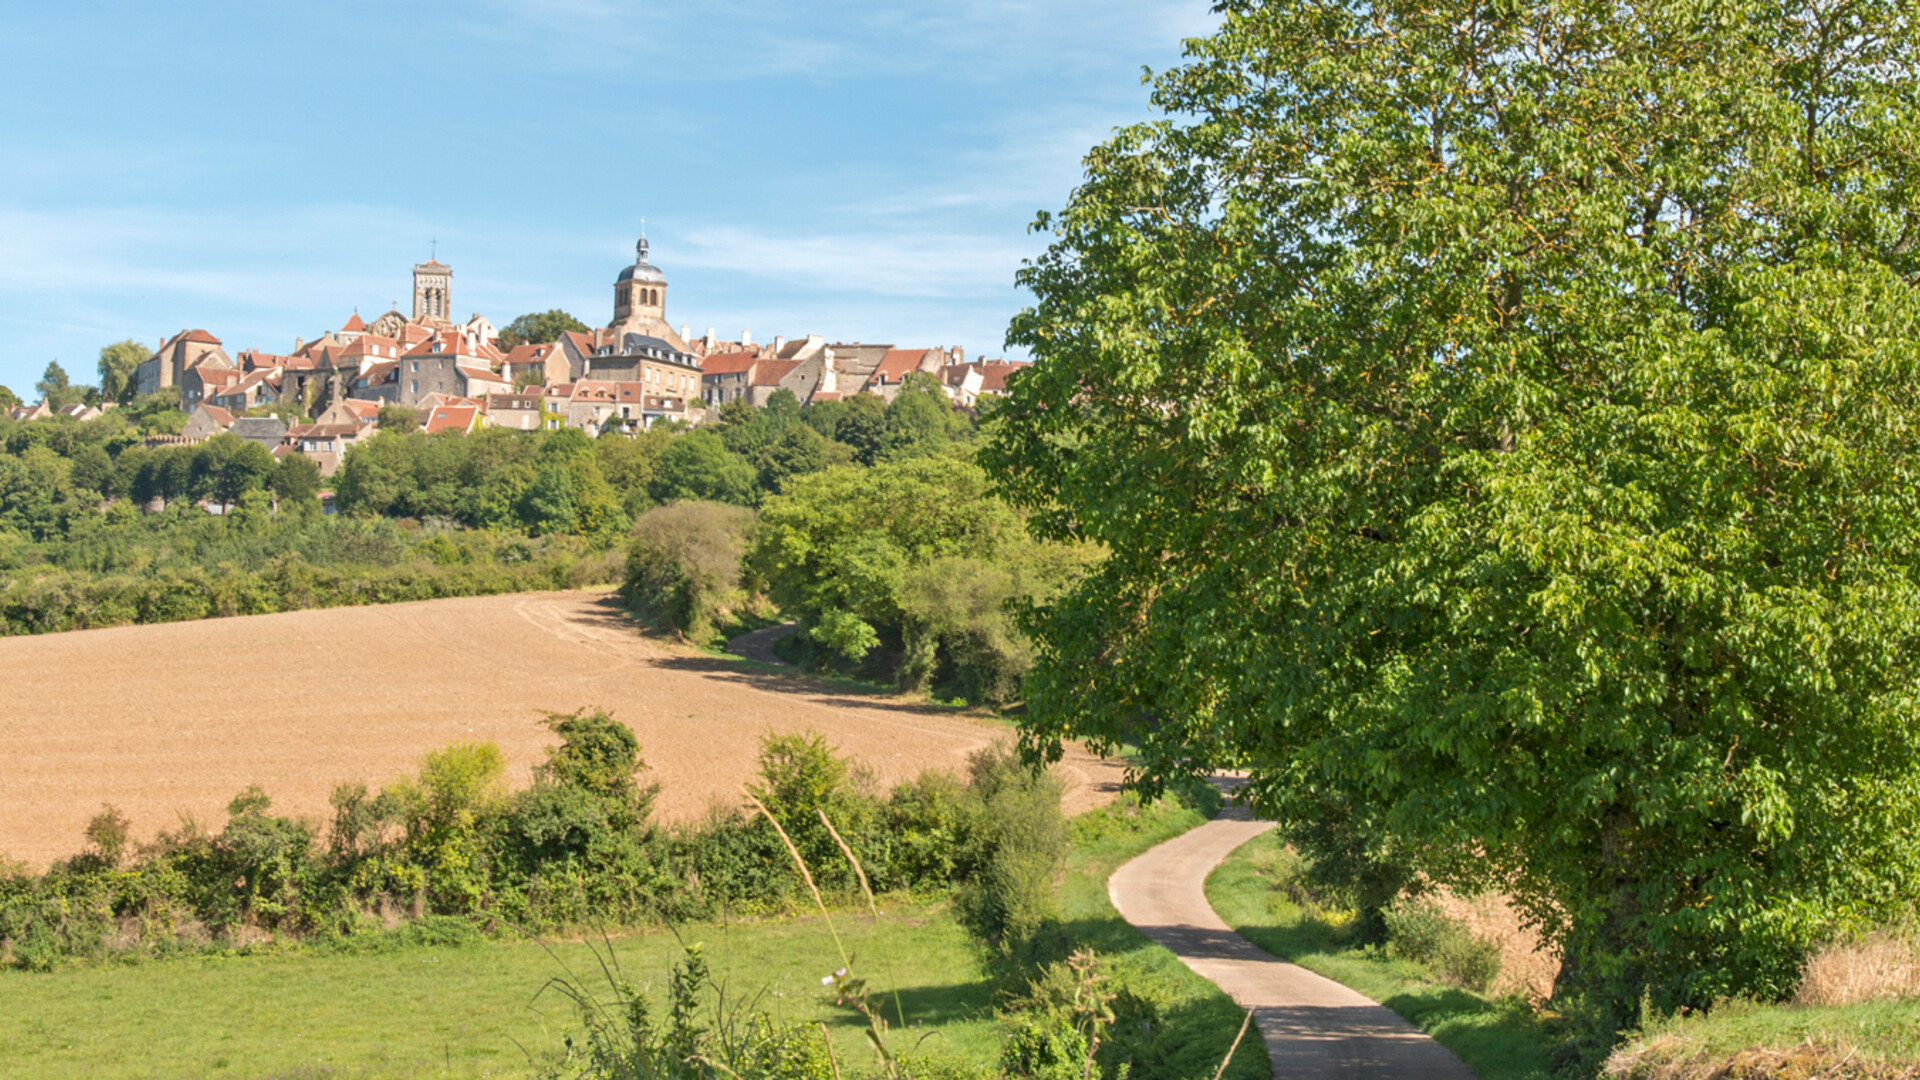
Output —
<point x="1670" y="1058"/>
<point x="1883" y="966"/>
<point x="1527" y="965"/>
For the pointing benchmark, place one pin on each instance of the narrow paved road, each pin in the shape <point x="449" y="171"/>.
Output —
<point x="758" y="644"/>
<point x="1315" y="1028"/>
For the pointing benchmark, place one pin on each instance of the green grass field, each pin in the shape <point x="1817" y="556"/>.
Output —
<point x="1498" y="1041"/>
<point x="458" y="1012"/>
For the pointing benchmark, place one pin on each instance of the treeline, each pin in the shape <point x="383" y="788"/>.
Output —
<point x="580" y="845"/>
<point x="562" y="481"/>
<point x="909" y="572"/>
<point x="907" y="579"/>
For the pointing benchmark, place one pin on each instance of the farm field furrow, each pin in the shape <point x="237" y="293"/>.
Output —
<point x="172" y="720"/>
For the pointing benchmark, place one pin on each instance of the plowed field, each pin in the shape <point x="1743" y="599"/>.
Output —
<point x="167" y="720"/>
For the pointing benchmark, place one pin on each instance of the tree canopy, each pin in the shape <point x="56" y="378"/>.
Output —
<point x="117" y="364"/>
<point x="539" y="328"/>
<point x="1502" y="424"/>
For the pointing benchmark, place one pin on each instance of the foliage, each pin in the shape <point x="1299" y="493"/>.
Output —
<point x="698" y="465"/>
<point x="55" y="389"/>
<point x="1419" y="931"/>
<point x="699" y="1037"/>
<point x="578" y="845"/>
<point x="117" y="364"/>
<point x="1012" y="899"/>
<point x="1499" y="422"/>
<point x="912" y="562"/>
<point x="399" y="419"/>
<point x="538" y="328"/>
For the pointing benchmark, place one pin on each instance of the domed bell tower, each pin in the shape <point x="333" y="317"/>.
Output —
<point x="640" y="292"/>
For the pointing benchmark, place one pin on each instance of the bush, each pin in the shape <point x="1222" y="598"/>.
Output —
<point x="1023" y="841"/>
<point x="698" y="1035"/>
<point x="1419" y="931"/>
<point x="577" y="846"/>
<point x="683" y="567"/>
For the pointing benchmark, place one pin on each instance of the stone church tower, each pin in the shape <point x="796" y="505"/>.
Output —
<point x="432" y="288"/>
<point x="639" y="293"/>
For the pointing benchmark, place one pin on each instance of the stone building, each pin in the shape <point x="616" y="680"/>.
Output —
<point x="432" y="293"/>
<point x="168" y="366"/>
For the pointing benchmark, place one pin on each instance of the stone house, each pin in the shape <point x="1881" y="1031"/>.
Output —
<point x="205" y="422"/>
<point x="520" y="412"/>
<point x="268" y="431"/>
<point x="175" y="356"/>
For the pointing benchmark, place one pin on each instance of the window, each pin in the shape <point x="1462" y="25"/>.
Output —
<point x="416" y="365"/>
<point x="416" y="386"/>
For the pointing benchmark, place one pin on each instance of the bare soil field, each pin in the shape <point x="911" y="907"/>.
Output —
<point x="176" y="719"/>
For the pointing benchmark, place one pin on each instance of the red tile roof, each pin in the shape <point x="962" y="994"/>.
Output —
<point x="732" y="363"/>
<point x="770" y="372"/>
<point x="450" y="418"/>
<point x="200" y="336"/>
<point x="593" y="390"/>
<point x="219" y="415"/>
<point x="354" y="323"/>
<point x="371" y="345"/>
<point x="993" y="373"/>
<point x="898" y="364"/>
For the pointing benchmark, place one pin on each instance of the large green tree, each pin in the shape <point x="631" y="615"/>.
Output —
<point x="1502" y="420"/>
<point x="56" y="389"/>
<point x="117" y="364"/>
<point x="539" y="328"/>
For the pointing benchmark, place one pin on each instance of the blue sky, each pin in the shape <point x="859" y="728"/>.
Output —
<point x="860" y="170"/>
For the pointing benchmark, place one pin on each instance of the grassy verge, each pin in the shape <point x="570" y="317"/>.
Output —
<point x="1870" y="1040"/>
<point x="1499" y="1040"/>
<point x="1198" y="1021"/>
<point x="462" y="1012"/>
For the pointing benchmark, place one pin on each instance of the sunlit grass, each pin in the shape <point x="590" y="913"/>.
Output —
<point x="458" y="1012"/>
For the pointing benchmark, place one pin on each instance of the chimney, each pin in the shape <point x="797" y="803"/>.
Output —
<point x="683" y="331"/>
<point x="779" y="342"/>
<point x="297" y="342"/>
<point x="746" y="337"/>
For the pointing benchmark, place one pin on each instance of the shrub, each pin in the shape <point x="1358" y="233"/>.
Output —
<point x="1419" y="931"/>
<point x="699" y="1034"/>
<point x="1023" y="841"/>
<point x="684" y="564"/>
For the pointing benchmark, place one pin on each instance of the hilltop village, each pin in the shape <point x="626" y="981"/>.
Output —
<point x="326" y="394"/>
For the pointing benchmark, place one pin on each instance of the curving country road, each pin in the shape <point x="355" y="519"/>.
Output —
<point x="1315" y="1028"/>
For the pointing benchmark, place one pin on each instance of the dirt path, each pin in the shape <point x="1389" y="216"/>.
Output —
<point x="164" y="721"/>
<point x="757" y="645"/>
<point x="1315" y="1028"/>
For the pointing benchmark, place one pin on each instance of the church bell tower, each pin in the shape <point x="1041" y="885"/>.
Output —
<point x="432" y="293"/>
<point x="640" y="292"/>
